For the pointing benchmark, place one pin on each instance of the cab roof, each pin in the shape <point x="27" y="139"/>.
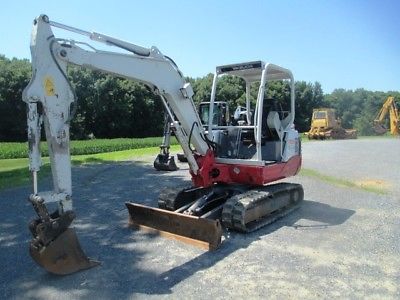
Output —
<point x="252" y="71"/>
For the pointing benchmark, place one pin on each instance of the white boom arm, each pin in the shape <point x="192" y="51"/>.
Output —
<point x="51" y="99"/>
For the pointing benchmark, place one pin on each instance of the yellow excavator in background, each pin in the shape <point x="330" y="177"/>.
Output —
<point x="394" y="118"/>
<point x="325" y="125"/>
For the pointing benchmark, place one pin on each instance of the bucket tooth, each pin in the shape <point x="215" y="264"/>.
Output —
<point x="62" y="256"/>
<point x="201" y="232"/>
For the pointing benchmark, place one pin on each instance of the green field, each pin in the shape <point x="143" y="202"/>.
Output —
<point x="20" y="150"/>
<point x="14" y="164"/>
<point x="14" y="172"/>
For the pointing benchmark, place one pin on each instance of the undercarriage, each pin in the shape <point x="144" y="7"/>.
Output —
<point x="194" y="215"/>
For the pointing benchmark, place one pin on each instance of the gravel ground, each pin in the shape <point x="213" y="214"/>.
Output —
<point x="364" y="160"/>
<point x="342" y="243"/>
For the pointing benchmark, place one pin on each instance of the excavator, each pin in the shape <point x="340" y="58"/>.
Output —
<point x="389" y="106"/>
<point x="233" y="168"/>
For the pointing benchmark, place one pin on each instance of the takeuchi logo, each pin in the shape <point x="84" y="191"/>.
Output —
<point x="242" y="67"/>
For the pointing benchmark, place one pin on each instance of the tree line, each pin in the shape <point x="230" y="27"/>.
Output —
<point x="111" y="107"/>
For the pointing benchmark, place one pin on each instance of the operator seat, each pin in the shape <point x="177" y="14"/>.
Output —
<point x="274" y="124"/>
<point x="269" y="130"/>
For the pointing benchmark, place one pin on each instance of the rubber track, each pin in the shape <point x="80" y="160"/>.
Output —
<point x="233" y="214"/>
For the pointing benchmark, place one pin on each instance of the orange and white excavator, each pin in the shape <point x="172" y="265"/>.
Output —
<point x="232" y="167"/>
<point x="389" y="106"/>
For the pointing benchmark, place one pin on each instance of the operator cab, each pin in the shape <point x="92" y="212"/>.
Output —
<point x="260" y="137"/>
<point x="319" y="115"/>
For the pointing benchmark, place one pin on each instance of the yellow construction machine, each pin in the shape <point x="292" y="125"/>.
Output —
<point x="389" y="106"/>
<point x="325" y="125"/>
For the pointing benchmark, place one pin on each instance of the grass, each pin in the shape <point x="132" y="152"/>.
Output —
<point x="21" y="176"/>
<point x="343" y="182"/>
<point x="12" y="164"/>
<point x="120" y="155"/>
<point x="20" y="150"/>
<point x="14" y="172"/>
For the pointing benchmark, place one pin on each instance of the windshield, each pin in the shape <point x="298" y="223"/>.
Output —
<point x="320" y="115"/>
<point x="204" y="112"/>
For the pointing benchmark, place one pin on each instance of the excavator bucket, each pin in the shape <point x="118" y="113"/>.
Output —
<point x="164" y="162"/>
<point x="379" y="128"/>
<point x="201" y="232"/>
<point x="63" y="255"/>
<point x="55" y="246"/>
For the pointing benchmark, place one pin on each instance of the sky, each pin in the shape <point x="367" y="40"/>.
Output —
<point x="341" y="44"/>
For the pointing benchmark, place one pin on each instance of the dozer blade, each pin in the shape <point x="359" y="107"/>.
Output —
<point x="63" y="255"/>
<point x="200" y="232"/>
